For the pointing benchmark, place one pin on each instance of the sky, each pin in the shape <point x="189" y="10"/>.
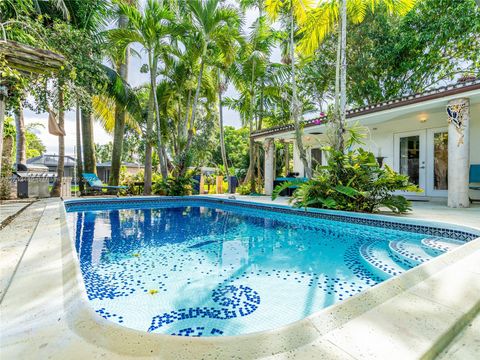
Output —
<point x="136" y="78"/>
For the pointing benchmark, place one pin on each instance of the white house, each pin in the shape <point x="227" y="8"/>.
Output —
<point x="433" y="137"/>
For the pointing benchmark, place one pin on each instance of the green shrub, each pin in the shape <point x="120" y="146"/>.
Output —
<point x="352" y="181"/>
<point x="244" y="189"/>
<point x="174" y="186"/>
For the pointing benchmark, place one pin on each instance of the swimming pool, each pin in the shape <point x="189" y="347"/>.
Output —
<point x="204" y="267"/>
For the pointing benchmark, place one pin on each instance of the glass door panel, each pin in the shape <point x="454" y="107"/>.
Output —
<point x="437" y="161"/>
<point x="409" y="157"/>
<point x="440" y="160"/>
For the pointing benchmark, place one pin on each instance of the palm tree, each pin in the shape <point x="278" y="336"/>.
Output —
<point x="295" y="12"/>
<point x="150" y="29"/>
<point x="321" y="21"/>
<point x="215" y="27"/>
<point x="248" y="76"/>
<point x="120" y="114"/>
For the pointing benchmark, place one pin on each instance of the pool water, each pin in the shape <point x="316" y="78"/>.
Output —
<point x="206" y="269"/>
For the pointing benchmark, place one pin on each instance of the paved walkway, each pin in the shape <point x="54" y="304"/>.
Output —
<point x="9" y="208"/>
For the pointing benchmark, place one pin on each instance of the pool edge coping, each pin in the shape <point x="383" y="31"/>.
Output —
<point x="305" y="330"/>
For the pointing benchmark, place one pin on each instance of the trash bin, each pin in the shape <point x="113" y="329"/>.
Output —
<point x="232" y="184"/>
<point x="196" y="184"/>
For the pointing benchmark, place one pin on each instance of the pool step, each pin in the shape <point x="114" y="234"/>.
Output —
<point x="440" y="246"/>
<point x="408" y="253"/>
<point x="377" y="258"/>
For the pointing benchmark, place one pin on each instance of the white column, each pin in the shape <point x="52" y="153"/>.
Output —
<point x="297" y="162"/>
<point x="269" y="147"/>
<point x="458" y="112"/>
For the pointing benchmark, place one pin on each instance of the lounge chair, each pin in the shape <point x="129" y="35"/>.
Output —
<point x="474" y="179"/>
<point x="95" y="184"/>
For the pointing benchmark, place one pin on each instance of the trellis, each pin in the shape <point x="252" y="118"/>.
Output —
<point x="27" y="60"/>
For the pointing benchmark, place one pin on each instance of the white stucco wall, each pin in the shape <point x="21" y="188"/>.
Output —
<point x="381" y="136"/>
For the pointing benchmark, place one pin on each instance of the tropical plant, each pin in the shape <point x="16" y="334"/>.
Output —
<point x="151" y="29"/>
<point x="352" y="181"/>
<point x="214" y="26"/>
<point x="320" y="21"/>
<point x="175" y="186"/>
<point x="293" y="12"/>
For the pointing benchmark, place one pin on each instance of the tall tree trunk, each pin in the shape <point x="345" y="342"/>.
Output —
<point x="287" y="158"/>
<point x="220" y="119"/>
<point x="343" y="77"/>
<point x="21" y="151"/>
<point x="2" y="121"/>
<point x="147" y="175"/>
<point x="161" y="149"/>
<point x="57" y="186"/>
<point x="79" y="148"/>
<point x="295" y="105"/>
<point x="89" y="158"/>
<point x="183" y="159"/>
<point x="250" y="177"/>
<point x="120" y="115"/>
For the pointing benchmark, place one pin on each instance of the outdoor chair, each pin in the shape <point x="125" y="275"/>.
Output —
<point x="474" y="179"/>
<point x="96" y="185"/>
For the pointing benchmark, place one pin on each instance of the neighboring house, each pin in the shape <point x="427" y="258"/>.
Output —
<point x="433" y="137"/>
<point x="103" y="169"/>
<point x="51" y="161"/>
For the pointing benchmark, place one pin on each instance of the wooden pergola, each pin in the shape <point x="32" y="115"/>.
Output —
<point x="27" y="60"/>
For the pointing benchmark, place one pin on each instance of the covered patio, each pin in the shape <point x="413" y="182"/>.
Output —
<point x="429" y="136"/>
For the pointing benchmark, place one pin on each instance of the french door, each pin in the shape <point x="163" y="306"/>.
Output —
<point x="410" y="157"/>
<point x="423" y="156"/>
<point x="437" y="162"/>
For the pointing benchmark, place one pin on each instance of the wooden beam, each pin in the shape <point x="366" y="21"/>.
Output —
<point x="29" y="59"/>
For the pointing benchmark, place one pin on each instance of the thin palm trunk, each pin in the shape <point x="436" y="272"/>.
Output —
<point x="195" y="104"/>
<point x="161" y="150"/>
<point x="183" y="164"/>
<point x="295" y="105"/>
<point x="89" y="157"/>
<point x="250" y="177"/>
<point x="2" y="121"/>
<point x="120" y="116"/>
<point x="222" y="134"/>
<point x="57" y="186"/>
<point x="187" y="115"/>
<point x="343" y="75"/>
<point x="79" y="148"/>
<point x="21" y="151"/>
<point x="147" y="175"/>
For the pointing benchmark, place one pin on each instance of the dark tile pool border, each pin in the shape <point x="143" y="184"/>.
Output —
<point x="355" y="218"/>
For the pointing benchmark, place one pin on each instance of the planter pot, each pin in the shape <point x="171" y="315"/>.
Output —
<point x="196" y="185"/>
<point x="219" y="182"/>
<point x="232" y="184"/>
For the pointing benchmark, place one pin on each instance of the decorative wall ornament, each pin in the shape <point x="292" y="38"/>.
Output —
<point x="456" y="116"/>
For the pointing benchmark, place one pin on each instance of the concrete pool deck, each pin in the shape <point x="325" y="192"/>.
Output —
<point x="415" y="315"/>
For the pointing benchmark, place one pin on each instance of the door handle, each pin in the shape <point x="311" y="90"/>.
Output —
<point x="422" y="167"/>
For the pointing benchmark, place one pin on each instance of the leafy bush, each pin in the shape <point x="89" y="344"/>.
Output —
<point x="174" y="186"/>
<point x="129" y="180"/>
<point x="244" y="189"/>
<point x="352" y="181"/>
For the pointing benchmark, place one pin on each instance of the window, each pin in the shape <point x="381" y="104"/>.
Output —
<point x="316" y="157"/>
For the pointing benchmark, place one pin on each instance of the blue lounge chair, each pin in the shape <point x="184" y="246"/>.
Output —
<point x="474" y="179"/>
<point x="96" y="184"/>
